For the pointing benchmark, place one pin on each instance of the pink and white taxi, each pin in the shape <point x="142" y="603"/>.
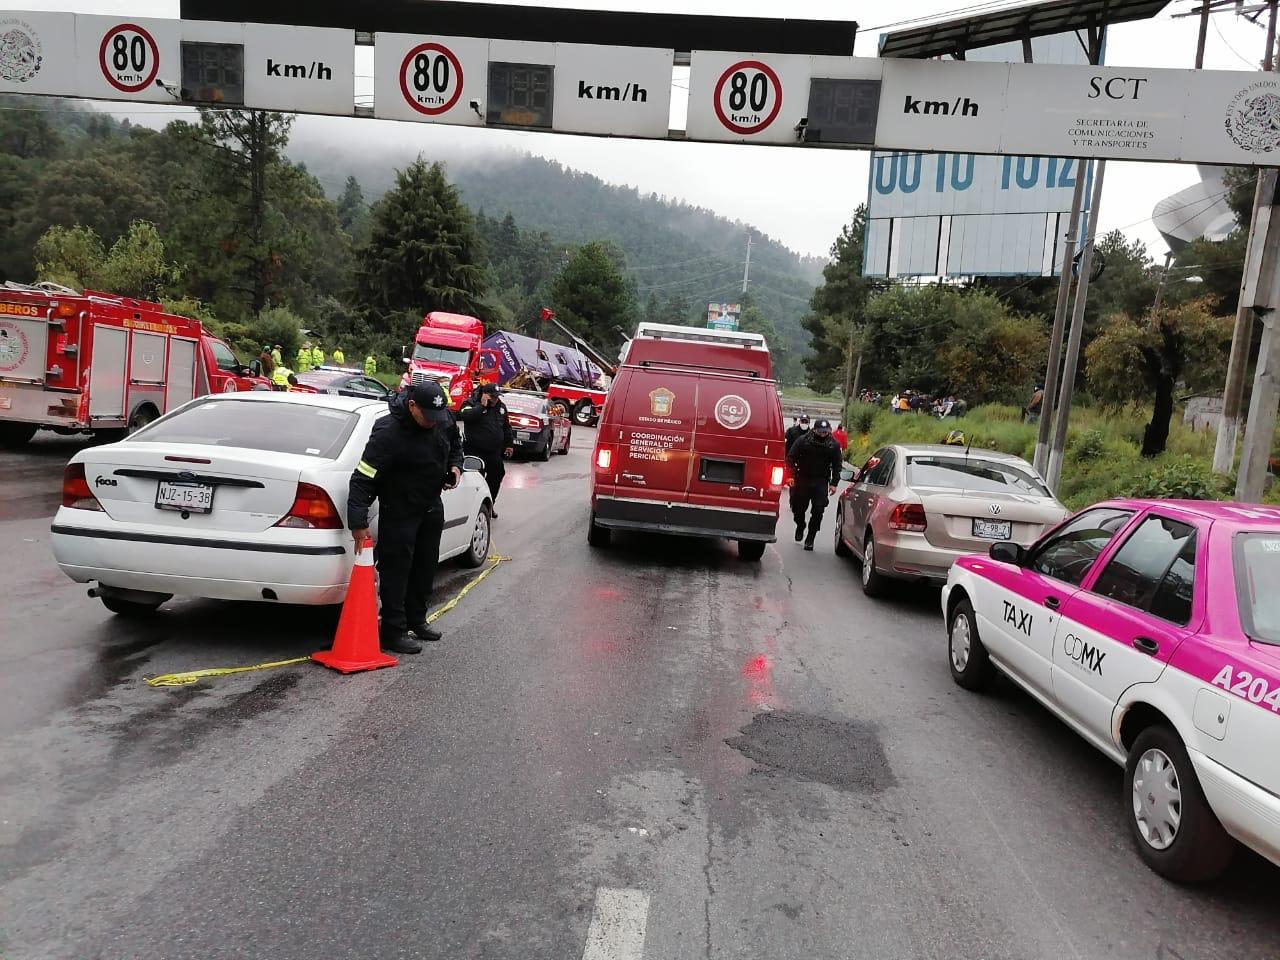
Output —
<point x="1152" y="628"/>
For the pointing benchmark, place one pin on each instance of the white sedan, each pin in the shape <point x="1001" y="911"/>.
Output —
<point x="235" y="497"/>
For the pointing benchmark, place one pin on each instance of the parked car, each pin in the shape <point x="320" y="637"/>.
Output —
<point x="1152" y="629"/>
<point x="234" y="497"/>
<point x="341" y="381"/>
<point x="912" y="510"/>
<point x="539" y="426"/>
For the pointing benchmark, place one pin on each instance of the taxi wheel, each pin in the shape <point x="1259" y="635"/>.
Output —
<point x="873" y="583"/>
<point x="1176" y="831"/>
<point x="970" y="666"/>
<point x="598" y="536"/>
<point x="842" y="548"/>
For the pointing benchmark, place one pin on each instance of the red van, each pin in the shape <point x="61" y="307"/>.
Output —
<point x="690" y="441"/>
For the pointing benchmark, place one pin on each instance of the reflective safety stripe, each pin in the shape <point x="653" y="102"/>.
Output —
<point x="366" y="469"/>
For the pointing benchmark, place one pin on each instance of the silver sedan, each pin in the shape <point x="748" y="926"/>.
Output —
<point x="912" y="509"/>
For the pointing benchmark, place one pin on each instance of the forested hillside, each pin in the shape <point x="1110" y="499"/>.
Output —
<point x="246" y="220"/>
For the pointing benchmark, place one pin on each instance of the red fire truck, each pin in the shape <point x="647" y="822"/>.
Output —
<point x="97" y="363"/>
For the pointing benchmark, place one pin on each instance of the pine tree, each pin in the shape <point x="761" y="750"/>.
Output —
<point x="592" y="296"/>
<point x="423" y="252"/>
<point x="353" y="212"/>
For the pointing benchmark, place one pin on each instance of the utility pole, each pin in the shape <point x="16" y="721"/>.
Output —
<point x="1164" y="279"/>
<point x="1259" y="431"/>
<point x="1260" y="254"/>
<point x="746" y="270"/>
<point x="848" y="367"/>
<point x="1041" y="459"/>
<point x="1063" y="413"/>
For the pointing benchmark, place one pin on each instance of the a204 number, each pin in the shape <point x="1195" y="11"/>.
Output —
<point x="1244" y="684"/>
<point x="431" y="73"/>
<point x="126" y="53"/>
<point x="741" y="91"/>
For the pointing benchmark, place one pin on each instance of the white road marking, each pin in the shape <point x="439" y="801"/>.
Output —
<point x="617" y="925"/>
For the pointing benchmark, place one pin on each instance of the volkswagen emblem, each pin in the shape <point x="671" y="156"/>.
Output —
<point x="995" y="509"/>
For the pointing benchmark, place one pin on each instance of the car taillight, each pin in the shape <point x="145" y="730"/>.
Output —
<point x="908" y="516"/>
<point x="777" y="476"/>
<point x="604" y="458"/>
<point x="312" y="510"/>
<point x="520" y="420"/>
<point x="75" y="489"/>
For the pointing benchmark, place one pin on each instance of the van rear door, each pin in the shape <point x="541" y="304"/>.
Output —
<point x="737" y="444"/>
<point x="656" y="434"/>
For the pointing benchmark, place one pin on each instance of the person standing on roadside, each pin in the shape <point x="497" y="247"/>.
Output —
<point x="370" y="365"/>
<point x="304" y="357"/>
<point x="317" y="356"/>
<point x="841" y="436"/>
<point x="339" y="358"/>
<point x="1032" y="412"/>
<point x="814" y="459"/>
<point x="267" y="362"/>
<point x="277" y="355"/>
<point x="800" y="426"/>
<point x="488" y="436"/>
<point x="411" y="457"/>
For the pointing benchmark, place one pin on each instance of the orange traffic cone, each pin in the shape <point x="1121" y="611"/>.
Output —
<point x="355" y="646"/>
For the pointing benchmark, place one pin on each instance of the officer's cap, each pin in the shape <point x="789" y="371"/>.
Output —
<point x="804" y="418"/>
<point x="430" y="400"/>
<point x="822" y="427"/>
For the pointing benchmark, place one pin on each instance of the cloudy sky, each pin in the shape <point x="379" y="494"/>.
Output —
<point x="801" y="197"/>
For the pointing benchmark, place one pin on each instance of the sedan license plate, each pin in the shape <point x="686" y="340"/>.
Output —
<point x="992" y="529"/>
<point x="191" y="497"/>
<point x="523" y="435"/>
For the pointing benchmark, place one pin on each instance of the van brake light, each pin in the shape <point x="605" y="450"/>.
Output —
<point x="908" y="516"/>
<point x="604" y="457"/>
<point x="778" y="475"/>
<point x="312" y="510"/>
<point x="75" y="489"/>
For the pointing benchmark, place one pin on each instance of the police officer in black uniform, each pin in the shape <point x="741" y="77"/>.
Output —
<point x="488" y="435"/>
<point x="814" y="458"/>
<point x="797" y="429"/>
<point x="412" y="455"/>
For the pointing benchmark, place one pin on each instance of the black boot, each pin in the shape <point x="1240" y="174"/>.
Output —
<point x="401" y="642"/>
<point x="799" y="530"/>
<point x="425" y="633"/>
<point x="813" y="534"/>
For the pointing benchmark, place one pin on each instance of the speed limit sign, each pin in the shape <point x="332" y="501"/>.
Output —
<point x="431" y="78"/>
<point x="747" y="97"/>
<point x="129" y="57"/>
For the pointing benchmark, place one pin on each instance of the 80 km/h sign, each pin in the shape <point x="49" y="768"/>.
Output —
<point x="431" y="78"/>
<point x="129" y="57"/>
<point x="747" y="97"/>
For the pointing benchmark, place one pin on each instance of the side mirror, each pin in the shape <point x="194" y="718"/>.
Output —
<point x="1008" y="552"/>
<point x="473" y="464"/>
<point x="404" y="353"/>
<point x="850" y="473"/>
<point x="405" y="361"/>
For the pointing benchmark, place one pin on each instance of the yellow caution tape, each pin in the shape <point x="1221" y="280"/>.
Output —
<point x="192" y="676"/>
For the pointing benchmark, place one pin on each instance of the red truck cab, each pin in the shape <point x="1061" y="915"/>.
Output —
<point x="691" y="440"/>
<point x="448" y="349"/>
<point x="95" y="362"/>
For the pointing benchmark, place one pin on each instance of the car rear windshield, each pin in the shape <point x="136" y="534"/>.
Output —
<point x="432" y="353"/>
<point x="972" y="473"/>
<point x="523" y="404"/>
<point x="1258" y="585"/>
<point x="303" y="429"/>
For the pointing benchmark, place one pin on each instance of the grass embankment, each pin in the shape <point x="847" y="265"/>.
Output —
<point x="1102" y="458"/>
<point x="803" y="394"/>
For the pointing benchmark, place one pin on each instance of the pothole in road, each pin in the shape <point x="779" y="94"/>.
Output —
<point x="843" y="754"/>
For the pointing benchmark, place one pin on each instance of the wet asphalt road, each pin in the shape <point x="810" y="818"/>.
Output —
<point x="773" y="765"/>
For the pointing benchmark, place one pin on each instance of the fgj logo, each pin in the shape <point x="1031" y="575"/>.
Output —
<point x="1085" y="655"/>
<point x="732" y="412"/>
<point x="20" y="52"/>
<point x="13" y="346"/>
<point x="1253" y="117"/>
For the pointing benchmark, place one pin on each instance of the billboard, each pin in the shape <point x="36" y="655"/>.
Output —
<point x="960" y="214"/>
<point x="723" y="316"/>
